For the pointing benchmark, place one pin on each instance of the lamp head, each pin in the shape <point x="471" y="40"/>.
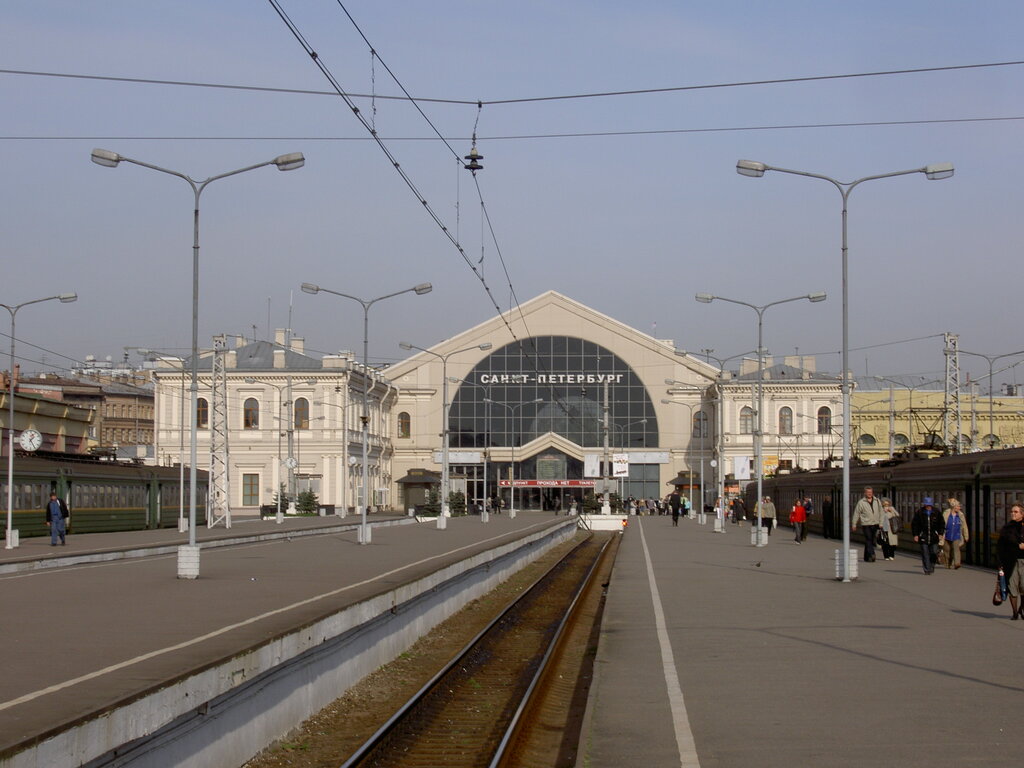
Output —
<point x="538" y="400"/>
<point x="249" y="380"/>
<point x="289" y="162"/>
<point x="666" y="401"/>
<point x="704" y="298"/>
<point x="67" y="298"/>
<point x="405" y="345"/>
<point x="814" y="298"/>
<point x="106" y="158"/>
<point x="937" y="171"/>
<point x="670" y="382"/>
<point x="485" y="345"/>
<point x="681" y="352"/>
<point x="423" y="288"/>
<point x="310" y="288"/>
<point x="750" y="168"/>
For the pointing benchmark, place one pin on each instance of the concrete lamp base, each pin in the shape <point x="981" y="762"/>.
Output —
<point x="188" y="562"/>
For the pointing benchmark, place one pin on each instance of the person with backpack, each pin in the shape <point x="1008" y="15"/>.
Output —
<point x="927" y="527"/>
<point x="892" y="524"/>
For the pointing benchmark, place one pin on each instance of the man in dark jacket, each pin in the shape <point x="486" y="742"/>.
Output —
<point x="1010" y="549"/>
<point x="928" y="526"/>
<point x="56" y="513"/>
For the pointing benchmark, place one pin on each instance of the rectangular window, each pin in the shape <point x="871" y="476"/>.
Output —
<point x="250" y="490"/>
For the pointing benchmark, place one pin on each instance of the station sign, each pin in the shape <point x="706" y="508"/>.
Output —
<point x="548" y="483"/>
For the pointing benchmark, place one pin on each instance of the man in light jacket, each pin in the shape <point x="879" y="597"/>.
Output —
<point x="868" y="514"/>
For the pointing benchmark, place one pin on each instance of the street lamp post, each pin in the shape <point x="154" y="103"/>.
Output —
<point x="991" y="386"/>
<point x="64" y="298"/>
<point x="419" y="290"/>
<point x="690" y="406"/>
<point x="935" y="171"/>
<point x="188" y="557"/>
<point x="719" y="464"/>
<point x="511" y="408"/>
<point x="484" y="516"/>
<point x="445" y="512"/>
<point x="707" y="298"/>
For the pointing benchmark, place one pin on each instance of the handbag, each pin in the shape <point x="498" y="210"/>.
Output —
<point x="997" y="596"/>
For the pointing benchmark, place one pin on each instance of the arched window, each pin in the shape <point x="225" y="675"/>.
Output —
<point x="824" y="420"/>
<point x="866" y="441"/>
<point x="785" y="420"/>
<point x="990" y="441"/>
<point x="404" y="425"/>
<point x="202" y="413"/>
<point x="251" y="414"/>
<point x="700" y="424"/>
<point x="301" y="413"/>
<point x="746" y="420"/>
<point x="900" y="440"/>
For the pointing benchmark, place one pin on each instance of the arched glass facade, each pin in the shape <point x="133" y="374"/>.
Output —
<point x="568" y="376"/>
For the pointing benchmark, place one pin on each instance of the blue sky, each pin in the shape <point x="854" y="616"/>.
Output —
<point x="630" y="224"/>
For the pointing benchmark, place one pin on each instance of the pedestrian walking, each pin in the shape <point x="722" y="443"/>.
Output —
<point x="798" y="517"/>
<point x="57" y="514"/>
<point x="828" y="518"/>
<point x="888" y="534"/>
<point x="765" y="512"/>
<point x="868" y="514"/>
<point x="927" y="527"/>
<point x="1010" y="549"/>
<point x="809" y="509"/>
<point x="675" y="502"/>
<point x="739" y="510"/>
<point x="955" y="534"/>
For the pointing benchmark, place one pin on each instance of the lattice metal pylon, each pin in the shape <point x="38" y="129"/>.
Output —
<point x="951" y="413"/>
<point x="219" y="508"/>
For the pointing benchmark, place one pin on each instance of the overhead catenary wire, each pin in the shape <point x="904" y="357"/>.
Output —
<point x="524" y="99"/>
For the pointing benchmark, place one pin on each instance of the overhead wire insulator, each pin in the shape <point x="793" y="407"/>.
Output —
<point x="474" y="159"/>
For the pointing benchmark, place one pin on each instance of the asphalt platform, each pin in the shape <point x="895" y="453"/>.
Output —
<point x="104" y="619"/>
<point x="716" y="653"/>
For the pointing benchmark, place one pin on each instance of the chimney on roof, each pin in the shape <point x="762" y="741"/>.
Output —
<point x="298" y="345"/>
<point x="279" y="334"/>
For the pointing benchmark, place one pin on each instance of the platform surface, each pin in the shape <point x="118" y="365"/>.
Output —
<point x="79" y="638"/>
<point x="715" y="653"/>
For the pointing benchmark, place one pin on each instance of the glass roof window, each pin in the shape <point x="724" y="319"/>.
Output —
<point x="569" y="375"/>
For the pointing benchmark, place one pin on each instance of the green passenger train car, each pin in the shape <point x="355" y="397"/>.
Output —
<point x="102" y="496"/>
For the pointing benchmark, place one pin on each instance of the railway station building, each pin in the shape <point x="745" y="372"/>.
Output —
<point x="556" y="399"/>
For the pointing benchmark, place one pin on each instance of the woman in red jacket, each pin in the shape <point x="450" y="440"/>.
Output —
<point x="798" y="517"/>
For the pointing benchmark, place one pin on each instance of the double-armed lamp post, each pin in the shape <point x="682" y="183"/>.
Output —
<point x="445" y="405"/>
<point x="419" y="290"/>
<point x="188" y="557"/>
<point x="63" y="298"/>
<point x="707" y="298"/>
<point x="756" y="169"/>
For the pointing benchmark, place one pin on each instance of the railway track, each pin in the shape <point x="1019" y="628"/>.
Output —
<point x="514" y="683"/>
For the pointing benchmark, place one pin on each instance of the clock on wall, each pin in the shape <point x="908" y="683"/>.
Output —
<point x="30" y="440"/>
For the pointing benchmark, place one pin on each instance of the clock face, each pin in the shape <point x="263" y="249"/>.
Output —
<point x="291" y="462"/>
<point x="30" y="440"/>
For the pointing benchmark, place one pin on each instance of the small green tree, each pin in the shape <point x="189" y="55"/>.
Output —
<point x="282" y="494"/>
<point x="590" y="503"/>
<point x="457" y="503"/>
<point x="615" y="500"/>
<point x="433" y="503"/>
<point x="307" y="502"/>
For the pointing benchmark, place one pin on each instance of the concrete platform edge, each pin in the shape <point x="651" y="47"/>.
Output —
<point x="227" y="712"/>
